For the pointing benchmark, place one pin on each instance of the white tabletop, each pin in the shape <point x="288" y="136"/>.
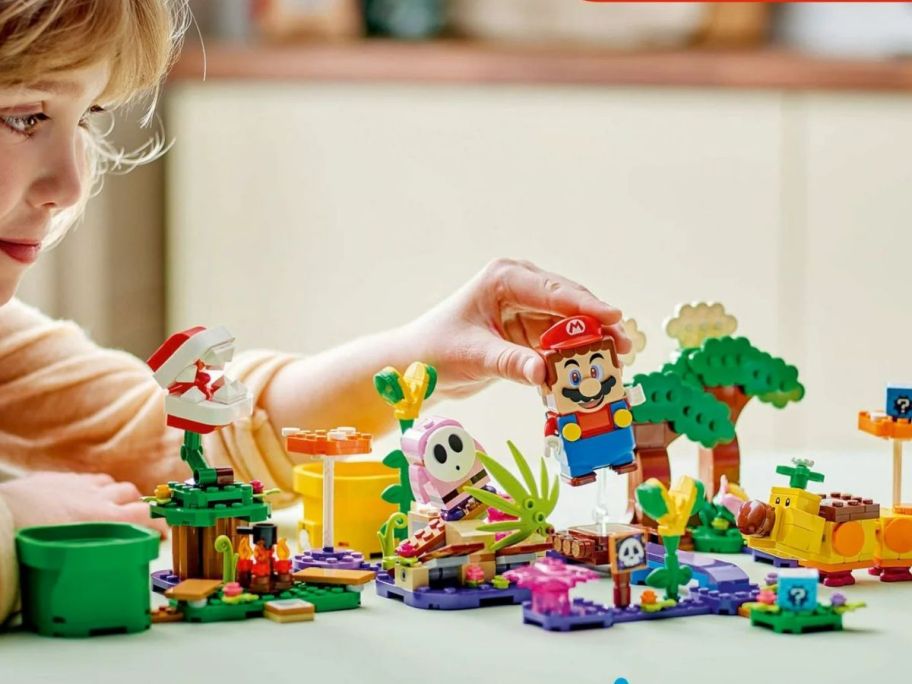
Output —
<point x="387" y="641"/>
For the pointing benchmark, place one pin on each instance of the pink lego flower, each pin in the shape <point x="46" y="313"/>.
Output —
<point x="550" y="581"/>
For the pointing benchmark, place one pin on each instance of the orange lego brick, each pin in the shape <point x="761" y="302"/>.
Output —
<point x="334" y="576"/>
<point x="166" y="614"/>
<point x="884" y="426"/>
<point x="193" y="589"/>
<point x="338" y="442"/>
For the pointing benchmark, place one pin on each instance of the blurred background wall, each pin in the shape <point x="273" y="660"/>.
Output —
<point x="346" y="165"/>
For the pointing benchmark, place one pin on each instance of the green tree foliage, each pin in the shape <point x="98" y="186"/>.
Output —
<point x="734" y="361"/>
<point x="688" y="409"/>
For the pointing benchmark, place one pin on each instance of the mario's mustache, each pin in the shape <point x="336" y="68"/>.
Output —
<point x="574" y="394"/>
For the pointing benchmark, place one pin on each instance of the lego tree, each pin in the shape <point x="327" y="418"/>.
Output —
<point x="673" y="408"/>
<point x="732" y="370"/>
<point x="406" y="394"/>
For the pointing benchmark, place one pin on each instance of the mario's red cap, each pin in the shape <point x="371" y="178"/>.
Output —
<point x="573" y="332"/>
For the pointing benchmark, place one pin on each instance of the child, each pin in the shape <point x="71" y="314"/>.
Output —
<point x="92" y="419"/>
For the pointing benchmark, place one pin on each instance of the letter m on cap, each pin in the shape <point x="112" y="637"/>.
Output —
<point x="575" y="327"/>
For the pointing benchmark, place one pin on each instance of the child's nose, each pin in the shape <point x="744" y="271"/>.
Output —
<point x="59" y="183"/>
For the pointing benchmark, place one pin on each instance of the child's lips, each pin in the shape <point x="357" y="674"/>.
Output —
<point x="23" y="251"/>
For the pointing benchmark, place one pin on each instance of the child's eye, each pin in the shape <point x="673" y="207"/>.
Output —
<point x="23" y="124"/>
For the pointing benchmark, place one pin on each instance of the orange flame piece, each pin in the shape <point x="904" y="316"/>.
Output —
<point x="244" y="551"/>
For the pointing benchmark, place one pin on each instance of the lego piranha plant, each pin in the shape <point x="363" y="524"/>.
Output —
<point x="671" y="508"/>
<point x="530" y="505"/>
<point x="406" y="394"/>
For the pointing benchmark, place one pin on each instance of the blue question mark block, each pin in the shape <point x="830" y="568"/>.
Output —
<point x="797" y="589"/>
<point x="899" y="401"/>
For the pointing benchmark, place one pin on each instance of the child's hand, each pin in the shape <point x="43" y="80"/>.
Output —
<point x="51" y="498"/>
<point x="488" y="328"/>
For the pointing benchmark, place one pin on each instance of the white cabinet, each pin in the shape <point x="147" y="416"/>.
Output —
<point x="303" y="214"/>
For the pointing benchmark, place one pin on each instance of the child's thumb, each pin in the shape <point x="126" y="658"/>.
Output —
<point x="515" y="362"/>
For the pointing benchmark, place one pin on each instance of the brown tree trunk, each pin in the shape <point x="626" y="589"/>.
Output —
<point x="724" y="459"/>
<point x="652" y="441"/>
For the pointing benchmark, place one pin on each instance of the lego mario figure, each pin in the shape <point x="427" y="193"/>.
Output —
<point x="589" y="423"/>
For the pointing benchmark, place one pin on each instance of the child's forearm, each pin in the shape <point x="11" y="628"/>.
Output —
<point x="335" y="388"/>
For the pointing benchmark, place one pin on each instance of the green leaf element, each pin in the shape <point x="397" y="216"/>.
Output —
<point x="657" y="579"/>
<point x="524" y="469"/>
<point x="432" y="380"/>
<point x="386" y="382"/>
<point x="491" y="500"/>
<point x="700" y="498"/>
<point x="392" y="494"/>
<point x="530" y="504"/>
<point x="649" y="496"/>
<point x="395" y="459"/>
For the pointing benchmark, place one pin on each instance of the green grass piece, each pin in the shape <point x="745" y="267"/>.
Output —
<point x="819" y="620"/>
<point x="324" y="598"/>
<point x="531" y="504"/>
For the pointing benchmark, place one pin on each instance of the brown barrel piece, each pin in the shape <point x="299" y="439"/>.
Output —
<point x="756" y="518"/>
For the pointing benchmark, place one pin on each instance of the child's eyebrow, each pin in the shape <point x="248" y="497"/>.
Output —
<point x="57" y="87"/>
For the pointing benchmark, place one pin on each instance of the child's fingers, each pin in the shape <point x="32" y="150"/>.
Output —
<point x="100" y="479"/>
<point x="513" y="362"/>
<point x="623" y="343"/>
<point x="527" y="287"/>
<point x="138" y="514"/>
<point x="122" y="492"/>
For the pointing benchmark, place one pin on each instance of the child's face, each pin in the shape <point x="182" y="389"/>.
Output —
<point x="42" y="161"/>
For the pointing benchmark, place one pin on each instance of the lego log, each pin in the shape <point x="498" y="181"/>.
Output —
<point x="653" y="440"/>
<point x="724" y="459"/>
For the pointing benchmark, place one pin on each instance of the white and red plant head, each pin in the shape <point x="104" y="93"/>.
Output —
<point x="190" y="366"/>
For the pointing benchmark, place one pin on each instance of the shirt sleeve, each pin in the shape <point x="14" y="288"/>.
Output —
<point x="9" y="580"/>
<point x="69" y="404"/>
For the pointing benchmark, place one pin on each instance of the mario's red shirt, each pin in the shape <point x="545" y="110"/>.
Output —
<point x="591" y="424"/>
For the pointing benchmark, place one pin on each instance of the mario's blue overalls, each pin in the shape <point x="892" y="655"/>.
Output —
<point x="609" y="443"/>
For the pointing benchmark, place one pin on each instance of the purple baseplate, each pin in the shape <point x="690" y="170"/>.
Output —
<point x="775" y="561"/>
<point x="584" y="615"/>
<point x="588" y="614"/>
<point x="162" y="580"/>
<point x="709" y="572"/>
<point x="327" y="557"/>
<point x="450" y="598"/>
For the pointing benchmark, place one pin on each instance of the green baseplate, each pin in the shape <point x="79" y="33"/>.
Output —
<point x="324" y="598"/>
<point x="821" y="619"/>
<point x="195" y="506"/>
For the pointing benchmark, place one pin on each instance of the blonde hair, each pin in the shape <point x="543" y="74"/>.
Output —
<point x="138" y="38"/>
